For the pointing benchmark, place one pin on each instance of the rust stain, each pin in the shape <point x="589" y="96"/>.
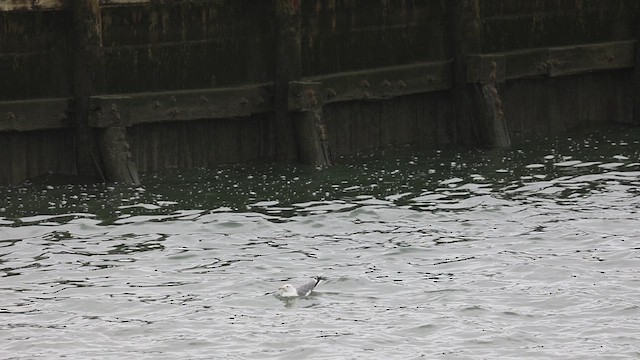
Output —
<point x="323" y="132"/>
<point x="311" y="96"/>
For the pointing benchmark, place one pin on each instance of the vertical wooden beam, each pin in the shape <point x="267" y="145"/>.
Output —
<point x="288" y="22"/>
<point x="478" y="114"/>
<point x="117" y="159"/>
<point x="104" y="152"/>
<point x="87" y="58"/>
<point x="636" y="69"/>
<point x="462" y="44"/>
<point x="302" y="134"/>
<point x="495" y="132"/>
<point x="313" y="148"/>
<point x="118" y="163"/>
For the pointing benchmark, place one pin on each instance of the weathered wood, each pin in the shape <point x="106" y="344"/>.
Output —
<point x="216" y="103"/>
<point x="87" y="51"/>
<point x="311" y="130"/>
<point x="313" y="147"/>
<point x="288" y="22"/>
<point x="384" y="83"/>
<point x="551" y="61"/>
<point x="493" y="111"/>
<point x="18" y="159"/>
<point x="635" y="117"/>
<point x="31" y="5"/>
<point x="39" y="5"/>
<point x="29" y="115"/>
<point x="571" y="60"/>
<point x="478" y="110"/>
<point x="465" y="32"/>
<point x="372" y="84"/>
<point x="305" y="95"/>
<point x="170" y="46"/>
<point x="116" y="156"/>
<point x="111" y="142"/>
<point x="303" y="131"/>
<point x="105" y="3"/>
<point x="486" y="68"/>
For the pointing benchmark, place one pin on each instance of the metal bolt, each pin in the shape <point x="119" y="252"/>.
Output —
<point x="402" y="84"/>
<point x="115" y="111"/>
<point x="244" y="101"/>
<point x="331" y="93"/>
<point x="202" y="100"/>
<point x="386" y="83"/>
<point x="311" y="95"/>
<point x="157" y="105"/>
<point x="365" y="84"/>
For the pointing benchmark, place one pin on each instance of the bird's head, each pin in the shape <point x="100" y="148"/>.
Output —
<point x="287" y="290"/>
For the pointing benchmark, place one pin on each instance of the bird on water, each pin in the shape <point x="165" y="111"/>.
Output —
<point x="288" y="290"/>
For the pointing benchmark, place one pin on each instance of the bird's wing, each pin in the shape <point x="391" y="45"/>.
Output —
<point x="306" y="288"/>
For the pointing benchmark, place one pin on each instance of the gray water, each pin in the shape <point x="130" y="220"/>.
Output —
<point x="532" y="252"/>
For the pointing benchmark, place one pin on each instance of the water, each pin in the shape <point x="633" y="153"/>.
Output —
<point x="532" y="252"/>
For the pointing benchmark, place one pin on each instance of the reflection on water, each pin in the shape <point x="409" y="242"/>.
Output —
<point x="528" y="252"/>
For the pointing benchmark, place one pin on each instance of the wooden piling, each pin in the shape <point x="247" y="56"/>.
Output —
<point x="495" y="132"/>
<point x="636" y="69"/>
<point x="312" y="135"/>
<point x="116" y="156"/>
<point x="478" y="112"/>
<point x="302" y="134"/>
<point x="102" y="153"/>
<point x="288" y="20"/>
<point x="87" y="57"/>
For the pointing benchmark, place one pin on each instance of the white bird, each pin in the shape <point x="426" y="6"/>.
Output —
<point x="288" y="290"/>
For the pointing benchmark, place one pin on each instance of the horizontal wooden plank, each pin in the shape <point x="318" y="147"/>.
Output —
<point x="28" y="115"/>
<point x="40" y="5"/>
<point x="215" y="103"/>
<point x="31" y="5"/>
<point x="122" y="2"/>
<point x="552" y="61"/>
<point x="526" y="63"/>
<point x="572" y="60"/>
<point x="485" y="68"/>
<point x="107" y="3"/>
<point x="371" y="84"/>
<point x="384" y="83"/>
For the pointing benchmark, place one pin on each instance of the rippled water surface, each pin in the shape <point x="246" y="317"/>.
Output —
<point x="532" y="252"/>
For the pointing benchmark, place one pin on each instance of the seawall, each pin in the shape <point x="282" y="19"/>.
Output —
<point x="105" y="89"/>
